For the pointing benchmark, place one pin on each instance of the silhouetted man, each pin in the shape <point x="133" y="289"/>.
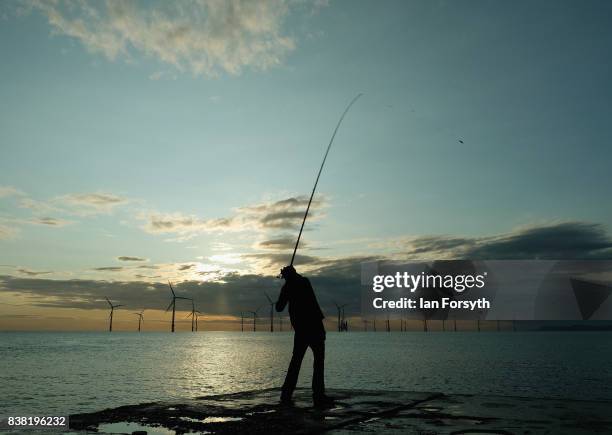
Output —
<point x="307" y="321"/>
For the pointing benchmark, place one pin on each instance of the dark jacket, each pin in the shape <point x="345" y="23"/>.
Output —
<point x="304" y="311"/>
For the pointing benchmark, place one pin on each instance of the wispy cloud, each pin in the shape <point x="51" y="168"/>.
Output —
<point x="280" y="243"/>
<point x="7" y="232"/>
<point x="272" y="262"/>
<point x="6" y="191"/>
<point x="10" y="227"/>
<point x="178" y="223"/>
<point x="57" y="211"/>
<point x="38" y="206"/>
<point x="91" y="203"/>
<point x="49" y="221"/>
<point x="200" y="37"/>
<point x="29" y="272"/>
<point x="130" y="258"/>
<point x="81" y="204"/>
<point x="109" y="269"/>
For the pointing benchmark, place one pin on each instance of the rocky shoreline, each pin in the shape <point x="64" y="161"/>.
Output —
<point x="355" y="411"/>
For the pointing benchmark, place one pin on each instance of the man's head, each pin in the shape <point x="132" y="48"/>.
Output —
<point x="288" y="272"/>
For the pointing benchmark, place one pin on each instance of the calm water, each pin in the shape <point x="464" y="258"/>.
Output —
<point x="63" y="373"/>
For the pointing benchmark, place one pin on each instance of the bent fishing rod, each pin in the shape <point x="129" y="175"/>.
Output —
<point x="297" y="243"/>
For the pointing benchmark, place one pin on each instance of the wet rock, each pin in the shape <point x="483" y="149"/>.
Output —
<point x="355" y="411"/>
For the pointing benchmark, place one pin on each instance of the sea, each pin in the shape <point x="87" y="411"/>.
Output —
<point x="60" y="373"/>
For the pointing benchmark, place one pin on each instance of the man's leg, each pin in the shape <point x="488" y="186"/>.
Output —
<point x="318" y="372"/>
<point x="299" y="349"/>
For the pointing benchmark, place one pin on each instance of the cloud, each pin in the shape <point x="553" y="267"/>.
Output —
<point x="280" y="243"/>
<point x="140" y="276"/>
<point x="49" y="221"/>
<point x="221" y="246"/>
<point x="42" y="212"/>
<point x="229" y="258"/>
<point x="272" y="262"/>
<point x="560" y="240"/>
<point x="32" y="272"/>
<point x="156" y="75"/>
<point x="334" y="279"/>
<point x="283" y="214"/>
<point x="43" y="220"/>
<point x="38" y="206"/>
<point x="269" y="216"/>
<point x="200" y="37"/>
<point x="6" y="191"/>
<point x="92" y="203"/>
<point x="109" y="269"/>
<point x="129" y="258"/>
<point x="228" y="296"/>
<point x="178" y="223"/>
<point x="82" y="204"/>
<point x="567" y="240"/>
<point x="7" y="232"/>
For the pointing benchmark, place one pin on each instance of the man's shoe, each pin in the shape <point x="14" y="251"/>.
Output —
<point x="323" y="402"/>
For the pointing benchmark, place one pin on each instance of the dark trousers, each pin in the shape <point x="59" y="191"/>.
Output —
<point x="301" y="342"/>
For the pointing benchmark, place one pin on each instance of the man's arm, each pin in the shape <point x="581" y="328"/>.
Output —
<point x="282" y="299"/>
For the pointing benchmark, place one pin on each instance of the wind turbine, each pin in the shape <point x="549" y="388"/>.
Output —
<point x="254" y="313"/>
<point x="271" y="312"/>
<point x="344" y="321"/>
<point x="193" y="316"/>
<point x="173" y="304"/>
<point x="340" y="309"/>
<point x="197" y="314"/>
<point x="140" y="319"/>
<point x="112" y="307"/>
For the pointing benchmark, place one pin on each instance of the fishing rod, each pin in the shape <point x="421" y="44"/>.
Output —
<point x="319" y="174"/>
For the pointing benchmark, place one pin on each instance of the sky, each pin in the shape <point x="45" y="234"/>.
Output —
<point x="143" y="142"/>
